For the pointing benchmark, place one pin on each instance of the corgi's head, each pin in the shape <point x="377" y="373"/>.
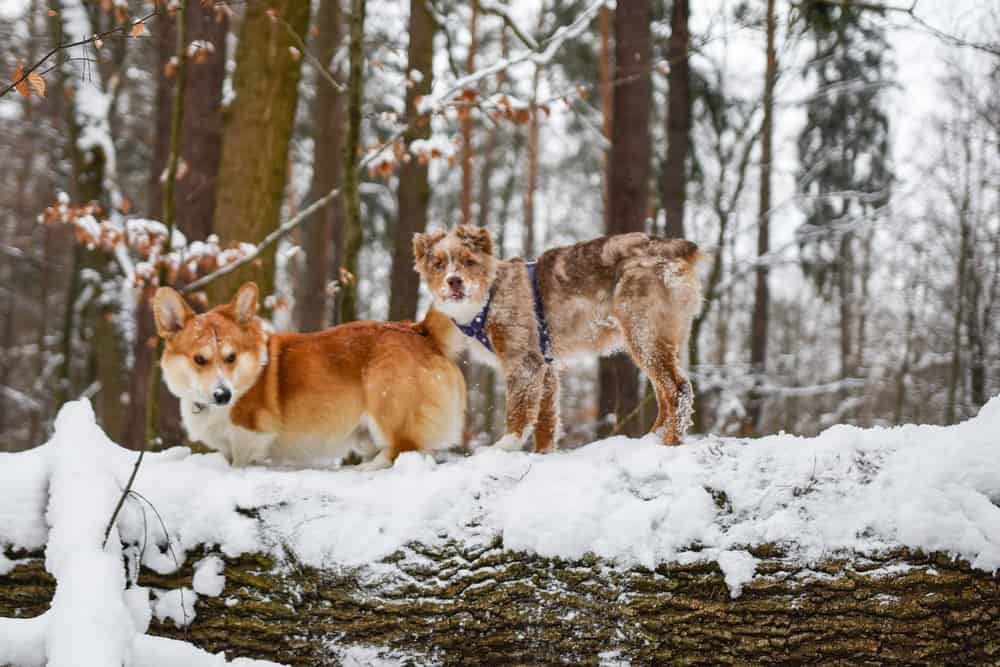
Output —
<point x="214" y="358"/>
<point x="458" y="268"/>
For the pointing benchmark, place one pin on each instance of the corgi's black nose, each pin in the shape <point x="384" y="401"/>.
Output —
<point x="221" y="395"/>
<point x="454" y="282"/>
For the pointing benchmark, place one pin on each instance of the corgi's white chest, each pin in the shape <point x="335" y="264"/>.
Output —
<point x="214" y="427"/>
<point x="210" y="425"/>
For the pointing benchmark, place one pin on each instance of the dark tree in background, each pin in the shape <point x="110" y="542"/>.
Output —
<point x="414" y="190"/>
<point x="845" y="173"/>
<point x="629" y="172"/>
<point x="323" y="233"/>
<point x="674" y="177"/>
<point x="762" y="294"/>
<point x="351" y="196"/>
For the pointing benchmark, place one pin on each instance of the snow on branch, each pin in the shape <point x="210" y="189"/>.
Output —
<point x="434" y="103"/>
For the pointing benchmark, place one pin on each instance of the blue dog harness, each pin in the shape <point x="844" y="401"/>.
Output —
<point x="476" y="328"/>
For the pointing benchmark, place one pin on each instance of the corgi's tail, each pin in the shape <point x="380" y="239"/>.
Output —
<point x="440" y="329"/>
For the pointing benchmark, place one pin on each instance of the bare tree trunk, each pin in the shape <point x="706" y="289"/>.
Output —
<point x="629" y="182"/>
<point x="605" y="69"/>
<point x="674" y="178"/>
<point x="414" y="189"/>
<point x="532" y="185"/>
<point x="254" y="167"/>
<point x="845" y="297"/>
<point x="470" y="66"/>
<point x="353" y="235"/>
<point x="201" y="147"/>
<point x="955" y="372"/>
<point x="328" y="121"/>
<point x="762" y="293"/>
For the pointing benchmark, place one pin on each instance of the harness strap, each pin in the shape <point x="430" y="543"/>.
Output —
<point x="544" y="338"/>
<point x="477" y="327"/>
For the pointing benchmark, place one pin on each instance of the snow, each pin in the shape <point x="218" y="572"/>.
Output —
<point x="738" y="568"/>
<point x="847" y="492"/>
<point x="176" y="605"/>
<point x="208" y="578"/>
<point x="61" y="496"/>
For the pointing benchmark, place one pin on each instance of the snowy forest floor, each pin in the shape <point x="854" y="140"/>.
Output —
<point x="848" y="493"/>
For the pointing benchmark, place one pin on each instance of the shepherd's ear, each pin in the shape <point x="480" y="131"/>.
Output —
<point x="244" y="304"/>
<point x="422" y="244"/>
<point x="476" y="237"/>
<point x="420" y="247"/>
<point x="171" y="312"/>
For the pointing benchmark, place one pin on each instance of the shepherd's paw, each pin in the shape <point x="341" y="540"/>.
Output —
<point x="510" y="442"/>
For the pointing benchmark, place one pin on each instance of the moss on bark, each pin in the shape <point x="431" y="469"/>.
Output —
<point x="485" y="606"/>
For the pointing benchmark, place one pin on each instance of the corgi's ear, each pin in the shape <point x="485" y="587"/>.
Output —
<point x="477" y="238"/>
<point x="171" y="312"/>
<point x="422" y="244"/>
<point x="244" y="304"/>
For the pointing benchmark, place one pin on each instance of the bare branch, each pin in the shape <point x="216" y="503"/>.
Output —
<point x="124" y="30"/>
<point x="911" y="11"/>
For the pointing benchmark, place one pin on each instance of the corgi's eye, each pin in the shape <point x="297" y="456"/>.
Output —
<point x="200" y="360"/>
<point x="231" y="359"/>
<point x="469" y="261"/>
<point x="439" y="265"/>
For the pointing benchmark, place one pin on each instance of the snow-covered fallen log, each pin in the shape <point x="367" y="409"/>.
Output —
<point x="855" y="545"/>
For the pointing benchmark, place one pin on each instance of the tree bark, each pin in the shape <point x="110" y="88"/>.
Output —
<point x="674" y="177"/>
<point x="762" y="292"/>
<point x="532" y="184"/>
<point x="487" y="606"/>
<point x="470" y="66"/>
<point x="414" y="189"/>
<point x="629" y="181"/>
<point x="201" y="147"/>
<point x="254" y="166"/>
<point x="604" y="74"/>
<point x="328" y="124"/>
<point x="353" y="235"/>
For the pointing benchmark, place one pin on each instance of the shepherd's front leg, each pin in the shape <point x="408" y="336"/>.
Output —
<point x="547" y="424"/>
<point x="525" y="377"/>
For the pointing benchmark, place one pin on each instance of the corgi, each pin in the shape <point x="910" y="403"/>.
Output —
<point x="303" y="398"/>
<point x="629" y="291"/>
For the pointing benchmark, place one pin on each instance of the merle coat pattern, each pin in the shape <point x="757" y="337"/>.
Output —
<point x="630" y="292"/>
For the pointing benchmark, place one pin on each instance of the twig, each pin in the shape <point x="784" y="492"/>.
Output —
<point x="320" y="67"/>
<point x="88" y="40"/>
<point x="491" y="7"/>
<point x="635" y="412"/>
<point x="121" y="500"/>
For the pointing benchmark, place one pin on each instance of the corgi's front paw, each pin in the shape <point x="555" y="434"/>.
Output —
<point x="380" y="462"/>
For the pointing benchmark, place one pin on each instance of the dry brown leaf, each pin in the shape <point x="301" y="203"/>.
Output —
<point x="21" y="86"/>
<point x="37" y="83"/>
